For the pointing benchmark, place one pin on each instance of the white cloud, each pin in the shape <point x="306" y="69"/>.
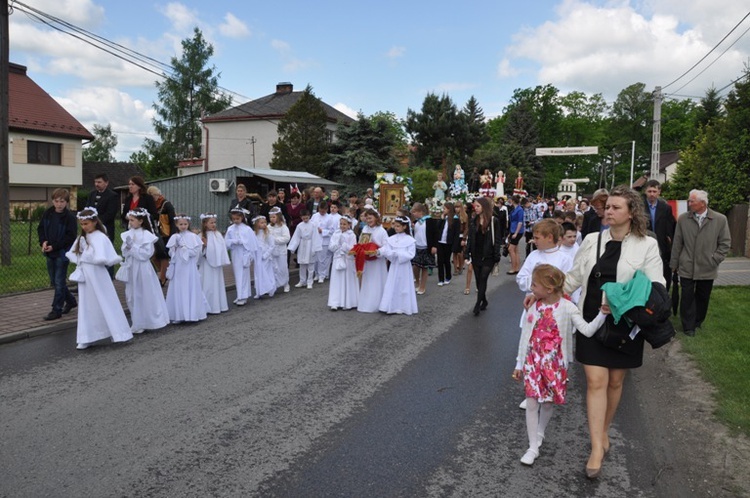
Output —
<point x="181" y="17"/>
<point x="83" y="13"/>
<point x="395" y="52"/>
<point x="604" y="49"/>
<point x="506" y="70"/>
<point x="129" y="117"/>
<point x="346" y="110"/>
<point x="291" y="63"/>
<point x="233" y="27"/>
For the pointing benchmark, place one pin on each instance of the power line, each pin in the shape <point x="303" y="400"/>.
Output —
<point x="709" y="52"/>
<point x="714" y="61"/>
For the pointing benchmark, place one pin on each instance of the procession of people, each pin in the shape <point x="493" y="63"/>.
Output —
<point x="574" y="250"/>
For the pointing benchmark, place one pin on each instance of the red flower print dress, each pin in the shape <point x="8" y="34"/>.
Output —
<point x="545" y="376"/>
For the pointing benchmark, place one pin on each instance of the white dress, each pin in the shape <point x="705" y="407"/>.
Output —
<point x="306" y="241"/>
<point x="263" y="271"/>
<point x="100" y="314"/>
<point x="148" y="310"/>
<point x="399" y="295"/>
<point x="555" y="257"/>
<point x="374" y="272"/>
<point x="343" y="291"/>
<point x="214" y="258"/>
<point x="241" y="240"/>
<point x="280" y="236"/>
<point x="185" y="299"/>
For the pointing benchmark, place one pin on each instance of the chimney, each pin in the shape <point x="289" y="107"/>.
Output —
<point x="284" y="87"/>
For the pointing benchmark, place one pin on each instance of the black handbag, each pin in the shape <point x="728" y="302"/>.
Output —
<point x="610" y="335"/>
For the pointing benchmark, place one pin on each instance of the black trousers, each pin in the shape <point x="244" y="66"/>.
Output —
<point x="481" y="275"/>
<point x="694" y="301"/>
<point x="444" y="262"/>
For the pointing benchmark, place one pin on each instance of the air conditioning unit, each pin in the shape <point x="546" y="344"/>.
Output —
<point x="218" y="185"/>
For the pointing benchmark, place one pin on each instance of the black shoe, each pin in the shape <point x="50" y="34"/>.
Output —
<point x="66" y="309"/>
<point x="476" y="309"/>
<point x="690" y="333"/>
<point x="484" y="304"/>
<point x="53" y="315"/>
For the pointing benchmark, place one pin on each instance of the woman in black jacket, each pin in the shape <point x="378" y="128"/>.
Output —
<point x="484" y="246"/>
<point x="138" y="198"/>
<point x="448" y="233"/>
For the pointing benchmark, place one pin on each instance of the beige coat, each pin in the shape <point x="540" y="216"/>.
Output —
<point x="698" y="251"/>
<point x="637" y="253"/>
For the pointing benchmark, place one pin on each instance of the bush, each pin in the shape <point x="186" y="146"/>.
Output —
<point x="423" y="179"/>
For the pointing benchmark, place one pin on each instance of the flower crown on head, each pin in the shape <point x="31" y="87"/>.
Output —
<point x="275" y="210"/>
<point x="94" y="214"/>
<point x="208" y="215"/>
<point x="349" y="219"/>
<point x="185" y="217"/>
<point x="138" y="212"/>
<point x="260" y="217"/>
<point x="403" y="219"/>
<point x="239" y="210"/>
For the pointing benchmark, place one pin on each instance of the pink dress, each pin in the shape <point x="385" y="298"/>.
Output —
<point x="545" y="374"/>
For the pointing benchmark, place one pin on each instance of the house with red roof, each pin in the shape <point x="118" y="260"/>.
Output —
<point x="244" y="135"/>
<point x="46" y="142"/>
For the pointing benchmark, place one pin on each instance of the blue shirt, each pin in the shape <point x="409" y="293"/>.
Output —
<point x="516" y="218"/>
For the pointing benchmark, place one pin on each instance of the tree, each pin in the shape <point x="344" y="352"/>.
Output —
<point x="434" y="130"/>
<point x="474" y="129"/>
<point x="303" y="137"/>
<point x="520" y="140"/>
<point x="711" y="108"/>
<point x="191" y="91"/>
<point x="361" y="150"/>
<point x="631" y="118"/>
<point x="102" y="148"/>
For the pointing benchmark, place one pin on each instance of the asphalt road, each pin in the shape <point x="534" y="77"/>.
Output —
<point x="285" y="398"/>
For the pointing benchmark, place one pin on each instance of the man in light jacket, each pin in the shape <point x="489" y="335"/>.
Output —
<point x="701" y="242"/>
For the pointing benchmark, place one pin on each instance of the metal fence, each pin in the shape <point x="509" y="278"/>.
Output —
<point x="28" y="266"/>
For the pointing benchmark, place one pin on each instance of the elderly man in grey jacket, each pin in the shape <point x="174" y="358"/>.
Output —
<point x="701" y="242"/>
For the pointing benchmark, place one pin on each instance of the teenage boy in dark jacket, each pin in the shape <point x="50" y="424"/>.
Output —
<point x="57" y="232"/>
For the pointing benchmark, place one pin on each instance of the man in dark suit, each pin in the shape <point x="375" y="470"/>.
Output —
<point x="107" y="203"/>
<point x="660" y="221"/>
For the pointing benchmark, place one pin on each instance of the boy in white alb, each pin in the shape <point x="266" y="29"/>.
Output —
<point x="325" y="226"/>
<point x="306" y="243"/>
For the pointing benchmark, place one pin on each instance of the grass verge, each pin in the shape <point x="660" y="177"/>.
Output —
<point x="722" y="350"/>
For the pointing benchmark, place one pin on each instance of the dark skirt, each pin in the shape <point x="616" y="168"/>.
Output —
<point x="589" y="351"/>
<point x="424" y="259"/>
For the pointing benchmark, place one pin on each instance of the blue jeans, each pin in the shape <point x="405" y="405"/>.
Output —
<point x="57" y="268"/>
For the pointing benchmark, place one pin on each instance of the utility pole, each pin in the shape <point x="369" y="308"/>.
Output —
<point x="4" y="153"/>
<point x="252" y="142"/>
<point x="656" y="140"/>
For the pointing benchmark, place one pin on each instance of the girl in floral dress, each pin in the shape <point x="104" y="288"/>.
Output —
<point x="545" y="349"/>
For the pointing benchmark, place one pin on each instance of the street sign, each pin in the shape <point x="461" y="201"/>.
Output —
<point x="566" y="151"/>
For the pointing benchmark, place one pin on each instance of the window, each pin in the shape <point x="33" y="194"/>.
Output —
<point x="44" y="152"/>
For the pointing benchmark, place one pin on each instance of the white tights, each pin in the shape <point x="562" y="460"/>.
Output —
<point x="538" y="416"/>
<point x="306" y="272"/>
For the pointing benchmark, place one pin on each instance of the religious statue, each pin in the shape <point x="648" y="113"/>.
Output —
<point x="440" y="187"/>
<point x="519" y="181"/>
<point x="500" y="183"/>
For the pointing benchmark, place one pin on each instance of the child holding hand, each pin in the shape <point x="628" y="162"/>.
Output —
<point x="544" y="350"/>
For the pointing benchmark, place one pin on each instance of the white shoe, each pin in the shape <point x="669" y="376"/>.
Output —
<point x="241" y="302"/>
<point x="334" y="308"/>
<point x="447" y="282"/>
<point x="235" y="301"/>
<point x="440" y="284"/>
<point x="522" y="406"/>
<point x="309" y="286"/>
<point x="321" y="280"/>
<point x="301" y="284"/>
<point x="83" y="345"/>
<point x="529" y="457"/>
<point x="139" y="331"/>
<point x="286" y="288"/>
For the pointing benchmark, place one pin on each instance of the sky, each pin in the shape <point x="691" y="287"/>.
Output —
<point x="384" y="57"/>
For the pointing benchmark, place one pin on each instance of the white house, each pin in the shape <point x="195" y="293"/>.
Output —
<point x="45" y="142"/>
<point x="244" y="135"/>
